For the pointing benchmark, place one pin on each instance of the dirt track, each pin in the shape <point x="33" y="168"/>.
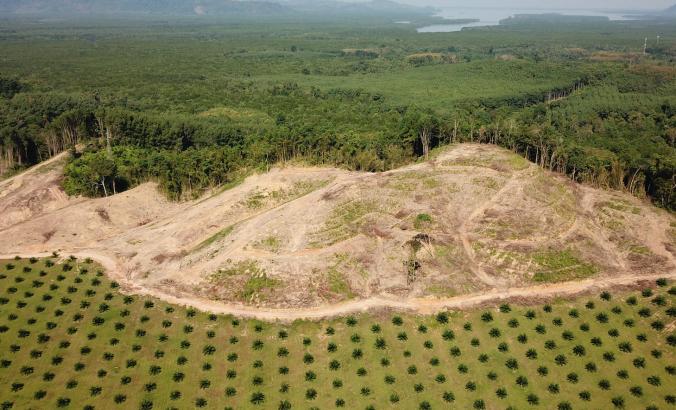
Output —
<point x="335" y="241"/>
<point x="424" y="306"/>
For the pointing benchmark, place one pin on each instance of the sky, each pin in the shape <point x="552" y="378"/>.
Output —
<point x="554" y="4"/>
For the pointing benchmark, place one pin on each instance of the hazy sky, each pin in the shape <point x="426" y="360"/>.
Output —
<point x="586" y="4"/>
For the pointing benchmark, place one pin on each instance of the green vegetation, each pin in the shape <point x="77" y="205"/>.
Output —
<point x="71" y="340"/>
<point x="243" y="280"/>
<point x="271" y="243"/>
<point x="218" y="236"/>
<point x="561" y="266"/>
<point x="256" y="284"/>
<point x="193" y="105"/>
<point x="344" y="221"/>
<point x="260" y="199"/>
<point x="422" y="221"/>
<point x="339" y="285"/>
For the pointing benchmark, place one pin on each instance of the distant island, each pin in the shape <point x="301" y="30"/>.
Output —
<point x="551" y="18"/>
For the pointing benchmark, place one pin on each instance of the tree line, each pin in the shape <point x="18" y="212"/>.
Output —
<point x="594" y="131"/>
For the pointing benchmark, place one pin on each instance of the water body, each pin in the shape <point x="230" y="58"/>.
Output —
<point x="492" y="16"/>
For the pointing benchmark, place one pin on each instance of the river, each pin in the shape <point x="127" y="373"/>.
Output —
<point x="492" y="16"/>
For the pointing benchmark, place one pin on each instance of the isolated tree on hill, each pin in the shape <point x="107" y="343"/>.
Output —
<point x="105" y="171"/>
<point x="421" y="127"/>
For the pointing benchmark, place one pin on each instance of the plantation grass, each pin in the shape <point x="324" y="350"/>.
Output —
<point x="439" y="86"/>
<point x="53" y="320"/>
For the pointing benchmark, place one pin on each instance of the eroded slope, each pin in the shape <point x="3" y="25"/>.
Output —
<point x="474" y="218"/>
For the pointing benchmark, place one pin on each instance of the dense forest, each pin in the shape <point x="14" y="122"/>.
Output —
<point x="197" y="106"/>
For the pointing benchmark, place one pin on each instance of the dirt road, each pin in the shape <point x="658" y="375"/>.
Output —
<point x="412" y="305"/>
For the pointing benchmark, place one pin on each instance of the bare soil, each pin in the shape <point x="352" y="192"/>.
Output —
<point x="313" y="242"/>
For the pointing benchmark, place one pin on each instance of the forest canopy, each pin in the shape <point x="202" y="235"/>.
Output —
<point x="194" y="107"/>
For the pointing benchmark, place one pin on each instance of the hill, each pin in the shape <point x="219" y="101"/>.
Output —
<point x="370" y="8"/>
<point x="205" y="7"/>
<point x="145" y="7"/>
<point x="476" y="218"/>
<point x="671" y="10"/>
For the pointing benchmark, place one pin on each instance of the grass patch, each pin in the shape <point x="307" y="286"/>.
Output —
<point x="561" y="266"/>
<point x="256" y="284"/>
<point x="503" y="163"/>
<point x="343" y="222"/>
<point x="260" y="199"/>
<point x="422" y="221"/>
<point x="621" y="206"/>
<point x="218" y="236"/>
<point x="251" y="279"/>
<point x="431" y="183"/>
<point x="517" y="162"/>
<point x="640" y="250"/>
<point x="486" y="182"/>
<point x="247" y="267"/>
<point x="270" y="244"/>
<point x="442" y="291"/>
<point x="339" y="285"/>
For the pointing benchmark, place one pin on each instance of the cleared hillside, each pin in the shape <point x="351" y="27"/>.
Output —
<point x="474" y="219"/>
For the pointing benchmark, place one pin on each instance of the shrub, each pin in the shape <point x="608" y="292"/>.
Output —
<point x="308" y="358"/>
<point x="257" y="398"/>
<point x="572" y="378"/>
<point x="654" y="380"/>
<point x="448" y="397"/>
<point x="533" y="399"/>
<point x="636" y="391"/>
<point x="618" y="402"/>
<point x="380" y="343"/>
